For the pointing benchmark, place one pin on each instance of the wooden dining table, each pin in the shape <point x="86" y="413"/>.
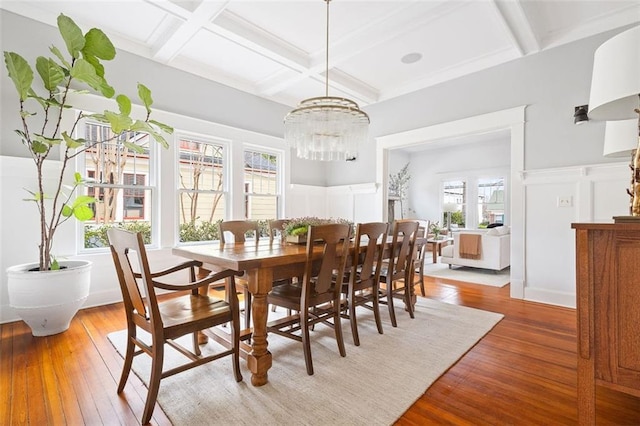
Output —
<point x="263" y="263"/>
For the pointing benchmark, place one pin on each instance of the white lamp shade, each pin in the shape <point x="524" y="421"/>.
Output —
<point x="450" y="207"/>
<point x="620" y="138"/>
<point x="615" y="82"/>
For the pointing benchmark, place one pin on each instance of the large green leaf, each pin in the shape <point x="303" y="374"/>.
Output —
<point x="119" y="123"/>
<point x="83" y="70"/>
<point x="98" y="44"/>
<point x="57" y="52"/>
<point x="83" y="213"/>
<point x="145" y="96"/>
<point x="83" y="200"/>
<point x="96" y="64"/>
<point x="20" y="73"/>
<point x="133" y="147"/>
<point x="143" y="126"/>
<point x="71" y="34"/>
<point x="50" y="72"/>
<point x="106" y="90"/>
<point x="47" y="140"/>
<point x="66" y="211"/>
<point x="165" y="128"/>
<point x="124" y="103"/>
<point x="72" y="143"/>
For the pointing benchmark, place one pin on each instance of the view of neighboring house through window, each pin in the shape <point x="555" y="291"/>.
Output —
<point x="491" y="200"/>
<point x="201" y="188"/>
<point x="119" y="173"/>
<point x="455" y="192"/>
<point x="261" y="185"/>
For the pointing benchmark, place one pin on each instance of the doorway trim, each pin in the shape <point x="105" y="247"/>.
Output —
<point x="512" y="119"/>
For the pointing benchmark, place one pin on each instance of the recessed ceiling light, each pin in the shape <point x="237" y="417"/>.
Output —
<point x="410" y="58"/>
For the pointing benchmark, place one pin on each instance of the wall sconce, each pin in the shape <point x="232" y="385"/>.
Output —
<point x="580" y="114"/>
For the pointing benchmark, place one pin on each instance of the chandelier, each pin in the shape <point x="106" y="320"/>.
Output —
<point x="326" y="128"/>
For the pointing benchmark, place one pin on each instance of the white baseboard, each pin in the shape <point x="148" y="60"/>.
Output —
<point x="550" y="297"/>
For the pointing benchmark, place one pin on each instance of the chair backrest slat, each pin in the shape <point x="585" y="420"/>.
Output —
<point x="239" y="230"/>
<point x="276" y="228"/>
<point x="368" y="267"/>
<point x="123" y="244"/>
<point x="334" y="239"/>
<point x="405" y="233"/>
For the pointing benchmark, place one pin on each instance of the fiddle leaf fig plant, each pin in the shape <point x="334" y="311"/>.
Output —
<point x="42" y="108"/>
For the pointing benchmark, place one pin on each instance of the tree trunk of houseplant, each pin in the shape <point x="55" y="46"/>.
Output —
<point x="48" y="300"/>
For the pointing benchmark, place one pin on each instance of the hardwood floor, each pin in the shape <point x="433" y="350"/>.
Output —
<point x="522" y="373"/>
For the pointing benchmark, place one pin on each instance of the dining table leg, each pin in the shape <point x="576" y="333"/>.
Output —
<point x="259" y="359"/>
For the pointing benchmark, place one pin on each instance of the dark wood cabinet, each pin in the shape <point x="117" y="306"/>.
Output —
<point x="608" y="310"/>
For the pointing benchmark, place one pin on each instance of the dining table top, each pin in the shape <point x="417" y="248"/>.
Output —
<point x="247" y="255"/>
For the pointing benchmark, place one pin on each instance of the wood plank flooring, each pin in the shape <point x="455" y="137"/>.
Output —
<point x="522" y="373"/>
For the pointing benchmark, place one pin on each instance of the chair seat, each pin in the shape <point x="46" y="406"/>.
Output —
<point x="184" y="311"/>
<point x="289" y="295"/>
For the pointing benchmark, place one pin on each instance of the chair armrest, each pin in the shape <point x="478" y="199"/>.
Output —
<point x="179" y="267"/>
<point x="200" y="283"/>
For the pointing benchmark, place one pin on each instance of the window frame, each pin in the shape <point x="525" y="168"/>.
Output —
<point x="280" y="155"/>
<point x="151" y="186"/>
<point x="226" y="177"/>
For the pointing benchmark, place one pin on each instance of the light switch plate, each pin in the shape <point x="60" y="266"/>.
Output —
<point x="565" y="201"/>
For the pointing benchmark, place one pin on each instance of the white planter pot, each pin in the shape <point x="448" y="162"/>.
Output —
<point x="48" y="300"/>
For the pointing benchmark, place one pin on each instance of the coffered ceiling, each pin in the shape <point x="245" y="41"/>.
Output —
<point x="378" y="50"/>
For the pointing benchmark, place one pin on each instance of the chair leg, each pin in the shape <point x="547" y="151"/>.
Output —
<point x="128" y="360"/>
<point x="247" y="308"/>
<point x="306" y="343"/>
<point x="392" y="312"/>
<point x="352" y="319"/>
<point x="196" y="344"/>
<point x="376" y="308"/>
<point x="157" y="358"/>
<point x="337" y="327"/>
<point x="235" y="335"/>
<point x="407" y="297"/>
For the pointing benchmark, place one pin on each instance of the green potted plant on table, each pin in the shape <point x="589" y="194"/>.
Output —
<point x="47" y="294"/>
<point x="296" y="229"/>
<point x="436" y="230"/>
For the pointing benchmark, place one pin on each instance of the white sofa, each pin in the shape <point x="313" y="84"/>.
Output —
<point x="495" y="247"/>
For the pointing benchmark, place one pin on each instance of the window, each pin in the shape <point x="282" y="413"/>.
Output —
<point x="455" y="192"/>
<point x="490" y="200"/>
<point x="261" y="185"/>
<point x="133" y="197"/>
<point x="201" y="189"/>
<point x="119" y="178"/>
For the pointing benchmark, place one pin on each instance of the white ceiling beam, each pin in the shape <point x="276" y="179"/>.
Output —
<point x="238" y="30"/>
<point x="517" y="25"/>
<point x="615" y="19"/>
<point x="171" y="46"/>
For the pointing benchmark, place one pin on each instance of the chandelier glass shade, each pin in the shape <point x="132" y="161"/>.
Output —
<point x="326" y="128"/>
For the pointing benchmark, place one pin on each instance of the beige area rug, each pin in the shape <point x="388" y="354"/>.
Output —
<point x="373" y="385"/>
<point x="468" y="274"/>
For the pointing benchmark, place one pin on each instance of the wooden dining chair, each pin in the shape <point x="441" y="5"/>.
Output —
<point x="420" y="253"/>
<point x="399" y="268"/>
<point x="172" y="318"/>
<point x="238" y="230"/>
<point x="276" y="229"/>
<point x="362" y="282"/>
<point x="317" y="299"/>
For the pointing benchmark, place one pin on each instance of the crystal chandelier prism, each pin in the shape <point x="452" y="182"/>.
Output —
<point x="326" y="128"/>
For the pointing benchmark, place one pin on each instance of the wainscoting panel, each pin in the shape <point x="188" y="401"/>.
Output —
<point x="554" y="199"/>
